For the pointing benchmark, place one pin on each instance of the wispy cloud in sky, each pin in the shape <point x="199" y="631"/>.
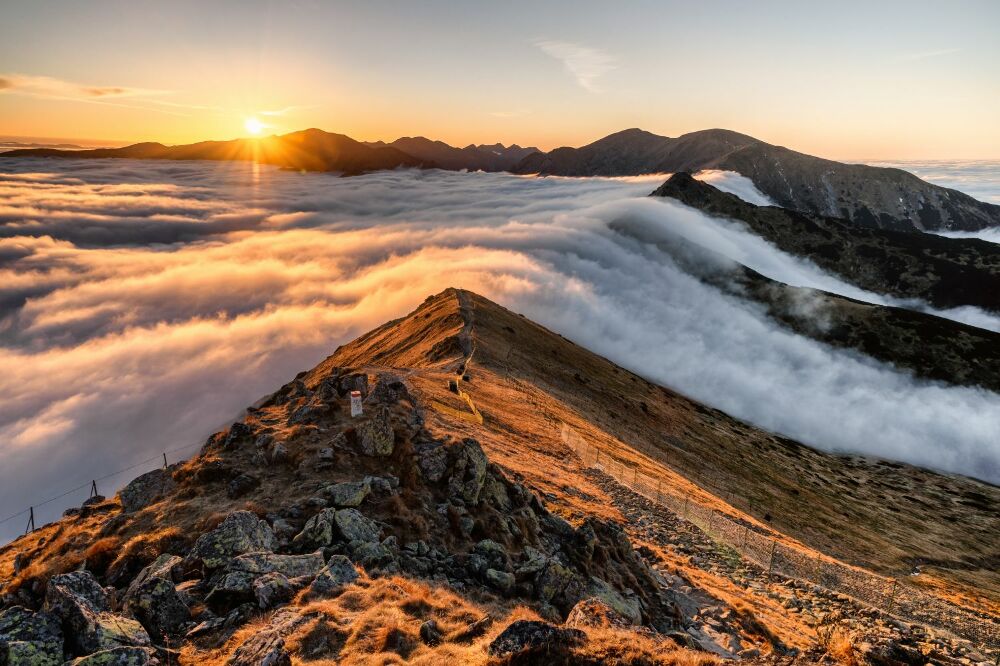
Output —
<point x="924" y="55"/>
<point x="586" y="64"/>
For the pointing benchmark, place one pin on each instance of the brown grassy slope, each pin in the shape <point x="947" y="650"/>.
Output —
<point x="527" y="380"/>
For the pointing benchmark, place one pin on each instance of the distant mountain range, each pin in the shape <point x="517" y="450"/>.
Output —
<point x="872" y="197"/>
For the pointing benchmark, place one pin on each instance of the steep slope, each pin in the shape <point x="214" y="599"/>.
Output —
<point x="309" y="150"/>
<point x="457" y="496"/>
<point x="473" y="158"/>
<point x="868" y="196"/>
<point x="945" y="272"/>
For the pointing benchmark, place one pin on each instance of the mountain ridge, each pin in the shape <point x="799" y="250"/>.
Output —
<point x="876" y="197"/>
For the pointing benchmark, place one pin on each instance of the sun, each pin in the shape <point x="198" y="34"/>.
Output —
<point x="253" y="126"/>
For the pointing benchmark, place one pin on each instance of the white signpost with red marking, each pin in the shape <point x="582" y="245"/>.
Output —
<point x="355" y="403"/>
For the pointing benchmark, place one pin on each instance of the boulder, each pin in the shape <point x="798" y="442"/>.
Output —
<point x="30" y="638"/>
<point x="348" y="493"/>
<point x="238" y="433"/>
<point x="593" y="612"/>
<point x="273" y="589"/>
<point x="265" y="562"/>
<point x="375" y="436"/>
<point x="355" y="382"/>
<point x="241" y="532"/>
<point x="432" y="458"/>
<point x="558" y="585"/>
<point x="501" y="580"/>
<point x="231" y="589"/>
<point x="468" y="472"/>
<point x="387" y="390"/>
<point x="534" y="636"/>
<point x="353" y="526"/>
<point x="146" y="489"/>
<point x="119" y="656"/>
<point x="318" y="532"/>
<point x="374" y="556"/>
<point x="338" y="573"/>
<point x="626" y="606"/>
<point x="158" y="606"/>
<point x="430" y="633"/>
<point x="82" y="605"/>
<point x="267" y="647"/>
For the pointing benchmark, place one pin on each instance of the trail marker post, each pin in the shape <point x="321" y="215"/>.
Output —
<point x="356" y="404"/>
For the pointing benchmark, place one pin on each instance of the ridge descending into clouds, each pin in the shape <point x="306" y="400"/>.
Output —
<point x="143" y="304"/>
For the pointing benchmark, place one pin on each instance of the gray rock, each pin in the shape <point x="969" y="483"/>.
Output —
<point x="273" y="589"/>
<point x="241" y="532"/>
<point x="30" y="638"/>
<point x="430" y="633"/>
<point x="374" y="556"/>
<point x="267" y="647"/>
<point x="338" y="573"/>
<point x="501" y="580"/>
<point x="469" y="472"/>
<point x="119" y="656"/>
<point x="82" y="605"/>
<point x="388" y="390"/>
<point x="231" y="589"/>
<point x="593" y="612"/>
<point x="325" y="454"/>
<point x="432" y="458"/>
<point x="348" y="493"/>
<point x="524" y="635"/>
<point x="318" y="532"/>
<point x="375" y="436"/>
<point x="278" y="454"/>
<point x="627" y="607"/>
<point x="355" y="382"/>
<point x="353" y="526"/>
<point x="146" y="489"/>
<point x="238" y="433"/>
<point x="265" y="562"/>
<point x="157" y="605"/>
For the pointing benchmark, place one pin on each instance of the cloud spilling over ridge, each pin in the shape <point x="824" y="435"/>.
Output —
<point x="735" y="183"/>
<point x="119" y="346"/>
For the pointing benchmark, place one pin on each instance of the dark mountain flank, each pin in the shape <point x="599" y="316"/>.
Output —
<point x="867" y="196"/>
<point x="945" y="272"/>
<point x="308" y="150"/>
<point x="473" y="158"/>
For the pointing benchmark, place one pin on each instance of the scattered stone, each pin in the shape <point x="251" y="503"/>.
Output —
<point x="82" y="605"/>
<point x="146" y="489"/>
<point x="353" y="526"/>
<point x="238" y="433"/>
<point x="430" y="633"/>
<point x="501" y="580"/>
<point x="337" y="574"/>
<point x="593" y="612"/>
<point x="325" y="455"/>
<point x="278" y="454"/>
<point x="318" y="531"/>
<point x="532" y="635"/>
<point x="432" y="458"/>
<point x="273" y="589"/>
<point x="348" y="493"/>
<point x="157" y="605"/>
<point x="241" y="532"/>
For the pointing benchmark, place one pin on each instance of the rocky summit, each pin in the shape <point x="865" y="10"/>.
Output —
<point x="452" y="522"/>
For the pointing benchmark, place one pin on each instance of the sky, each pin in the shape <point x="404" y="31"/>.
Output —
<point x="847" y="80"/>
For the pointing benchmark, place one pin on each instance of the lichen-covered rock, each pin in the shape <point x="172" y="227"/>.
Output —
<point x="388" y="389"/>
<point x="119" y="656"/>
<point x="241" y="532"/>
<point x="626" y="606"/>
<point x="432" y="458"/>
<point x="241" y="485"/>
<point x="468" y="472"/>
<point x="374" y="556"/>
<point x="348" y="493"/>
<point x="291" y="566"/>
<point x="593" y="612"/>
<point x="146" y="489"/>
<point x="231" y="589"/>
<point x="501" y="580"/>
<point x="30" y="638"/>
<point x="318" y="532"/>
<point x="375" y="436"/>
<point x="82" y="605"/>
<point x="525" y="635"/>
<point x="353" y="526"/>
<point x="273" y="589"/>
<point x="238" y="433"/>
<point x="338" y="573"/>
<point x="558" y="585"/>
<point x="158" y="606"/>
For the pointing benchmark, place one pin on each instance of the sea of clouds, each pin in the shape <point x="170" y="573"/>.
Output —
<point x="144" y="304"/>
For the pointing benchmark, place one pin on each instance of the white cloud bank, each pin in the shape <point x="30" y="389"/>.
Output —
<point x="584" y="63"/>
<point x="143" y="304"/>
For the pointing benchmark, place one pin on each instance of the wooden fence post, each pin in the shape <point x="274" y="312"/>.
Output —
<point x="770" y="562"/>
<point x="684" y="512"/>
<point x="892" y="596"/>
<point x="164" y="460"/>
<point x="746" y="533"/>
<point x="31" y="520"/>
<point x="93" y="488"/>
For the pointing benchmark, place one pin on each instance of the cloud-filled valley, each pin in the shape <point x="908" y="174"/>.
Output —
<point x="143" y="304"/>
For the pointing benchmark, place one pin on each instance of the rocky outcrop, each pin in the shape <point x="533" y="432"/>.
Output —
<point x="30" y="638"/>
<point x="537" y="638"/>
<point x="146" y="489"/>
<point x="82" y="606"/>
<point x="241" y="532"/>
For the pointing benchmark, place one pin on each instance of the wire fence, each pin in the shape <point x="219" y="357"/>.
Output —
<point x="32" y="517"/>
<point x="752" y="542"/>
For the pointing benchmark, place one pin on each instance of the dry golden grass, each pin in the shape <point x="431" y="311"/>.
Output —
<point x="839" y="645"/>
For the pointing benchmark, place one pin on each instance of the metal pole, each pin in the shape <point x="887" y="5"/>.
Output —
<point x="31" y="520"/>
<point x="93" y="488"/>
<point x="659" y="500"/>
<point x="164" y="460"/>
<point x="685" y="511"/>
<point x="892" y="596"/>
<point x="711" y="520"/>
<point x="746" y="533"/>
